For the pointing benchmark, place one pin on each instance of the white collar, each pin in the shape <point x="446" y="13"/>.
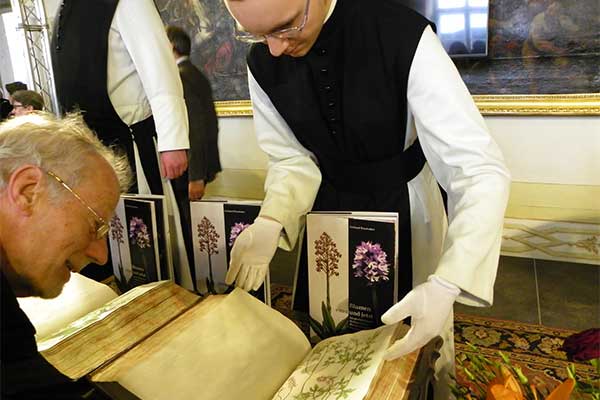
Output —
<point x="184" y="58"/>
<point x="331" y="8"/>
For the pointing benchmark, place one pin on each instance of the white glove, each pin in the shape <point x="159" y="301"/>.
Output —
<point x="252" y="252"/>
<point x="429" y="306"/>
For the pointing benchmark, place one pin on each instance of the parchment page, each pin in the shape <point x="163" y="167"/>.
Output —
<point x="79" y="296"/>
<point x="240" y="349"/>
<point x="341" y="367"/>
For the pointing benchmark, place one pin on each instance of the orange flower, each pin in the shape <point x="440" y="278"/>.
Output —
<point x="504" y="387"/>
<point x="563" y="391"/>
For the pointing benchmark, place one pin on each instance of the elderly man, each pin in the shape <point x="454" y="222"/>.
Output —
<point x="54" y="213"/>
<point x="25" y="102"/>
<point x="359" y="108"/>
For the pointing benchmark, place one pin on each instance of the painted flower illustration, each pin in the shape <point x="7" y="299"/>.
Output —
<point x="236" y="229"/>
<point x="327" y="258"/>
<point x="370" y="262"/>
<point x="138" y="233"/>
<point x="116" y="233"/>
<point x="208" y="243"/>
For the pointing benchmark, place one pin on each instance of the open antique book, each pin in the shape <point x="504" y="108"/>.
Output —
<point x="159" y="341"/>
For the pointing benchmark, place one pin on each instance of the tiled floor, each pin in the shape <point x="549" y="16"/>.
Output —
<point x="549" y="293"/>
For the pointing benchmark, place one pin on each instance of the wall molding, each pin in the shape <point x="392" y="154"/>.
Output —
<point x="551" y="240"/>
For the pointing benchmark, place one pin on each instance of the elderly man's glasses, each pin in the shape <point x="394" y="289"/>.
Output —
<point x="287" y="33"/>
<point x="101" y="225"/>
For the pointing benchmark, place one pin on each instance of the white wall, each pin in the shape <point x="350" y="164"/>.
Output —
<point x="542" y="149"/>
<point x="13" y="51"/>
<point x="237" y="144"/>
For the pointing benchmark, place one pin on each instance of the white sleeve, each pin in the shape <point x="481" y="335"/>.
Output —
<point x="467" y="163"/>
<point x="293" y="177"/>
<point x="144" y="36"/>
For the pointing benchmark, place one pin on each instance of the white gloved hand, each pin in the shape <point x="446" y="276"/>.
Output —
<point x="429" y="306"/>
<point x="252" y="252"/>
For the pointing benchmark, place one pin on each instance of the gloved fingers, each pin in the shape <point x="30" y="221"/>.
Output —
<point x="409" y="343"/>
<point x="237" y="254"/>
<point x="232" y="273"/>
<point x="249" y="279"/>
<point x="234" y="266"/>
<point x="400" y="310"/>
<point x="261" y="273"/>
<point x="242" y="276"/>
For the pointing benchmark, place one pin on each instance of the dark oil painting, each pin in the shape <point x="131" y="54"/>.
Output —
<point x="215" y="51"/>
<point x="534" y="47"/>
<point x="538" y="47"/>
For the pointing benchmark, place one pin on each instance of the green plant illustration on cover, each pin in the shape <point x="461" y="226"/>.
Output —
<point x="327" y="258"/>
<point x="207" y="243"/>
<point x="328" y="371"/>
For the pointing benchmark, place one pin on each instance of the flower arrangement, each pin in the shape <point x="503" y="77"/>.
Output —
<point x="491" y="380"/>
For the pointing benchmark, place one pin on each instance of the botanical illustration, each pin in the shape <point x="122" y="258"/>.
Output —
<point x="337" y="368"/>
<point x="207" y="243"/>
<point x="236" y="229"/>
<point x="370" y="263"/>
<point x="138" y="233"/>
<point x="141" y="247"/>
<point x="327" y="258"/>
<point x="117" y="233"/>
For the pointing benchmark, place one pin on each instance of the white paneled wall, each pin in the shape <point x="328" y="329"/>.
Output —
<point x="545" y="149"/>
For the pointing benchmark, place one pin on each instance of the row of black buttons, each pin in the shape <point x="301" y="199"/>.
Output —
<point x="329" y="92"/>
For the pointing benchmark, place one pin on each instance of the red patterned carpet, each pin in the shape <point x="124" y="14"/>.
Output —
<point x="534" y="348"/>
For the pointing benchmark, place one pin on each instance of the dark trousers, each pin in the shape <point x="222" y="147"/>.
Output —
<point x="180" y="189"/>
<point x="143" y="133"/>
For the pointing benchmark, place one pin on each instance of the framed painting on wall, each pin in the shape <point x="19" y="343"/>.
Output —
<point x="543" y="56"/>
<point x="215" y="51"/>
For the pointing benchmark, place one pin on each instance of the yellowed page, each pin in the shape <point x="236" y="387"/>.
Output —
<point x="79" y="296"/>
<point x="339" y="367"/>
<point x="241" y="349"/>
<point x="111" y="330"/>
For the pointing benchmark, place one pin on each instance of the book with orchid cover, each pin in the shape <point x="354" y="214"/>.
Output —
<point x="160" y="341"/>
<point x="216" y="224"/>
<point x="139" y="241"/>
<point x="352" y="270"/>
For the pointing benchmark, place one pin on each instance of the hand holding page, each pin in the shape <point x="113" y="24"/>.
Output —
<point x="429" y="305"/>
<point x="159" y="341"/>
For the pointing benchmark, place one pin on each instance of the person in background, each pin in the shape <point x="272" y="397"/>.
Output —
<point x="204" y="163"/>
<point x="13" y="87"/>
<point x="112" y="60"/>
<point x="5" y="106"/>
<point x="25" y="102"/>
<point x="354" y="118"/>
<point x="53" y="173"/>
<point x="123" y="88"/>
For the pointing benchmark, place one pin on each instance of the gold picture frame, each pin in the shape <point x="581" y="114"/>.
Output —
<point x="539" y="104"/>
<point x="526" y="104"/>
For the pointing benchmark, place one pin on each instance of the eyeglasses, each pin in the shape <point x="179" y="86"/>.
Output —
<point x="287" y="33"/>
<point x="101" y="225"/>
